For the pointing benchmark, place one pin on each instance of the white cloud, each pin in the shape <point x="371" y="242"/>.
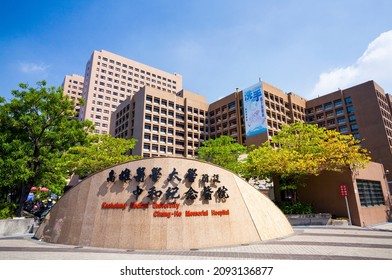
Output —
<point x="374" y="64"/>
<point x="33" y="67"/>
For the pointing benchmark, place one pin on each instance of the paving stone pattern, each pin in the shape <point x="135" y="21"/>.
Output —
<point x="323" y="243"/>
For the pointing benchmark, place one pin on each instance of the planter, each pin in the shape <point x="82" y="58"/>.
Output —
<point x="335" y="222"/>
<point x="309" y="219"/>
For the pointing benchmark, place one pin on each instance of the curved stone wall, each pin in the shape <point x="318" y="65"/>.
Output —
<point x="173" y="210"/>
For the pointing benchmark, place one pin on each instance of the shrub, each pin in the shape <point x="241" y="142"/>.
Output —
<point x="296" y="208"/>
<point x="7" y="210"/>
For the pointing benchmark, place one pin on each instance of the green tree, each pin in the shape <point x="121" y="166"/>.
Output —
<point x="223" y="151"/>
<point x="36" y="127"/>
<point x="99" y="152"/>
<point x="300" y="150"/>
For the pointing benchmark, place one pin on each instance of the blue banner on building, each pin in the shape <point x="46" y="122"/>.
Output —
<point x="254" y="109"/>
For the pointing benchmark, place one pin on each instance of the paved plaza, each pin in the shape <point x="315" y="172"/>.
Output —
<point x="307" y="243"/>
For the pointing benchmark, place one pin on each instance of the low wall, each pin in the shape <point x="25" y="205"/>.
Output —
<point x="309" y="219"/>
<point x="10" y="227"/>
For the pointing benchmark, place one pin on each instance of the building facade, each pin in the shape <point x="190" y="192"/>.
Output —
<point x="110" y="79"/>
<point x="363" y="111"/>
<point x="165" y="124"/>
<point x="73" y="87"/>
<point x="226" y="116"/>
<point x="367" y="194"/>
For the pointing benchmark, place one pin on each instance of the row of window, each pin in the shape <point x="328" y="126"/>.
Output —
<point x="75" y="82"/>
<point x="164" y="139"/>
<point x="111" y="84"/>
<point x="223" y="109"/>
<point x="100" y="103"/>
<point x="165" y="103"/>
<point x="125" y="78"/>
<point x="99" y="117"/>
<point x="97" y="131"/>
<point x="125" y="81"/>
<point x="166" y="150"/>
<point x="332" y="114"/>
<point x="75" y="87"/>
<point x="125" y="66"/>
<point x="108" y="98"/>
<point x="328" y="105"/>
<point x="273" y="97"/>
<point x="99" y="110"/>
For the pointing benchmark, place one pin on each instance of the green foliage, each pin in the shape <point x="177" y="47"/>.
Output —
<point x="222" y="151"/>
<point x="296" y="208"/>
<point x="303" y="149"/>
<point x="99" y="152"/>
<point x="7" y="210"/>
<point x="36" y="128"/>
<point x="321" y="149"/>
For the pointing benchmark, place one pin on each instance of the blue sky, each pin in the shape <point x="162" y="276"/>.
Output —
<point x="307" y="47"/>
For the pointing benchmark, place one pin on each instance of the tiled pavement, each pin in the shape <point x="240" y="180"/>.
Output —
<point x="307" y="243"/>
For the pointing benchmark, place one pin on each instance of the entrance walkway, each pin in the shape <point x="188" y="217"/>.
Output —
<point x="307" y="243"/>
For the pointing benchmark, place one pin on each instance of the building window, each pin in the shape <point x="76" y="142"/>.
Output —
<point x="328" y="105"/>
<point x="329" y="114"/>
<point x="354" y="127"/>
<point x="348" y="100"/>
<point x="370" y="193"/>
<point x="352" y="118"/>
<point x="337" y="103"/>
<point x="341" y="120"/>
<point x="350" y="109"/>
<point x="339" y="111"/>
<point x="343" y="129"/>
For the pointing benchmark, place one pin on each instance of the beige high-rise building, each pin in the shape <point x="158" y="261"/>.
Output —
<point x="175" y="125"/>
<point x="164" y="124"/>
<point x="110" y="79"/>
<point x="73" y="87"/>
<point x="161" y="129"/>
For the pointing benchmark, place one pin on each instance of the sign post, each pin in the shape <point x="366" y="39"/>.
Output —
<point x="344" y="193"/>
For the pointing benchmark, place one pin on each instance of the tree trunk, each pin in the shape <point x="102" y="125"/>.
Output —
<point x="24" y="193"/>
<point x="277" y="195"/>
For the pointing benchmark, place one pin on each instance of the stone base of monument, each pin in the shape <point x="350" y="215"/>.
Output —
<point x="163" y="203"/>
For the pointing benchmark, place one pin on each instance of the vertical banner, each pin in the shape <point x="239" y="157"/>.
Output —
<point x="254" y="109"/>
